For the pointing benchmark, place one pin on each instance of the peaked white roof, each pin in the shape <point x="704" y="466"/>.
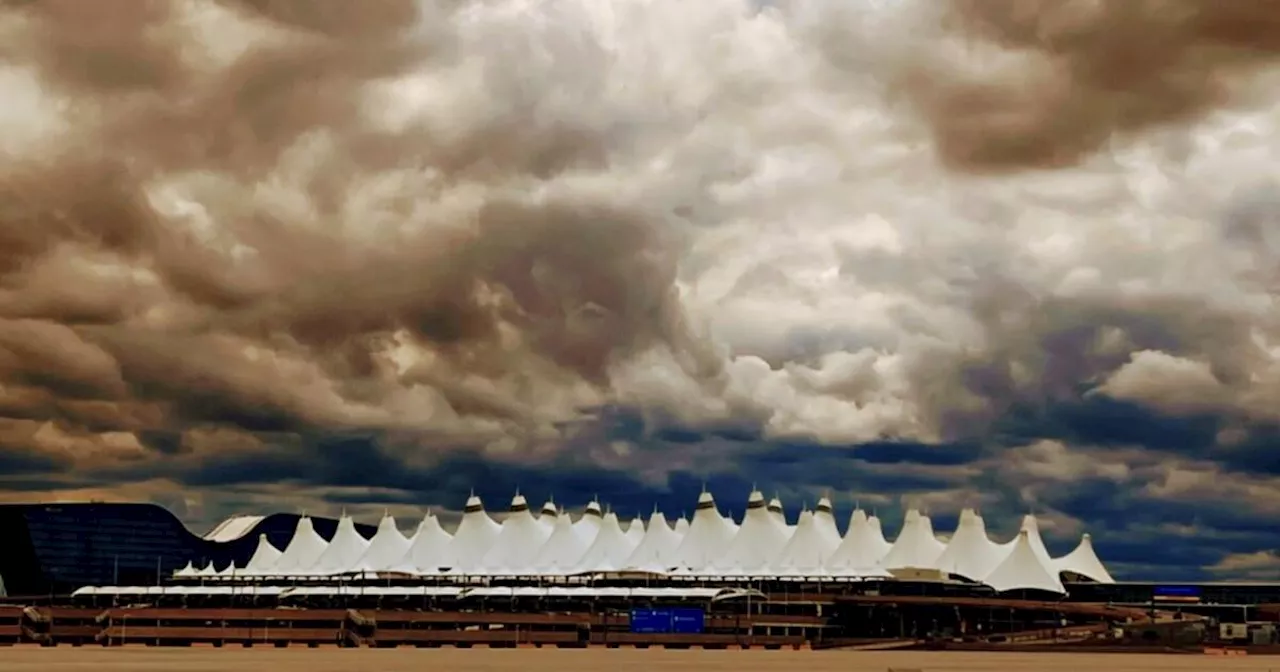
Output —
<point x="386" y="549"/>
<point x="682" y="526"/>
<point x="776" y="510"/>
<point x="264" y="559"/>
<point x="824" y="521"/>
<point x="635" y="530"/>
<point x="188" y="570"/>
<point x="304" y="549"/>
<point x="708" y="535"/>
<point x="548" y="514"/>
<point x="862" y="548"/>
<point x="475" y="535"/>
<point x="1023" y="569"/>
<point x="916" y="547"/>
<point x="656" y="552"/>
<point x="807" y="551"/>
<point x="429" y="549"/>
<point x="610" y="550"/>
<point x="756" y="543"/>
<point x="588" y="524"/>
<point x="971" y="553"/>
<point x="233" y="528"/>
<point x="519" y="538"/>
<point x="1084" y="561"/>
<point x="207" y="570"/>
<point x="562" y="550"/>
<point x="344" y="550"/>
<point x="1032" y="527"/>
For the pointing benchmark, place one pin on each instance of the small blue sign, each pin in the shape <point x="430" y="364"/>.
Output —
<point x="651" y="621"/>
<point x="688" y="621"/>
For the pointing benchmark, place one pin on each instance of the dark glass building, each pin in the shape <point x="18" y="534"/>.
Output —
<point x="57" y="548"/>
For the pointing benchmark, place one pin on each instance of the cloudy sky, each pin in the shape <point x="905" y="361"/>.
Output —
<point x="262" y="255"/>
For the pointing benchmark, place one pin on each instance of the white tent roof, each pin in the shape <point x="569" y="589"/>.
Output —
<point x="807" y="551"/>
<point x="1023" y="569"/>
<point x="756" y="543"/>
<point x="1084" y="561"/>
<point x="610" y="550"/>
<point x="344" y="550"/>
<point x="475" y="535"/>
<point x="656" y="552"/>
<point x="708" y="535"/>
<point x="428" y="550"/>
<point x="681" y="526"/>
<point x="519" y="538"/>
<point x="635" y="530"/>
<point x="916" y="547"/>
<point x="971" y="553"/>
<point x="233" y="528"/>
<point x="207" y="570"/>
<point x="264" y="558"/>
<point x="547" y="516"/>
<point x="386" y="549"/>
<point x="588" y="524"/>
<point x="824" y="521"/>
<point x="304" y="549"/>
<point x="562" y="550"/>
<point x="776" y="510"/>
<point x="1032" y="527"/>
<point x="188" y="570"/>
<point x="863" y="546"/>
<point x="877" y="535"/>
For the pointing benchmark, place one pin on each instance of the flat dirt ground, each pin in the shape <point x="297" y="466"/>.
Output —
<point x="130" y="659"/>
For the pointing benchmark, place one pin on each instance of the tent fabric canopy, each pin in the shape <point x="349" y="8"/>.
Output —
<point x="763" y="545"/>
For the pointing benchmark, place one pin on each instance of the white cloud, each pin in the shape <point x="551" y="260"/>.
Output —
<point x="841" y="279"/>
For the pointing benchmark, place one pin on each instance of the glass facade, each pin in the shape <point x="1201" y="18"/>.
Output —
<point x="56" y="548"/>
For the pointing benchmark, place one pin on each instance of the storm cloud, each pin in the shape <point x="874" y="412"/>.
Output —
<point x="263" y="254"/>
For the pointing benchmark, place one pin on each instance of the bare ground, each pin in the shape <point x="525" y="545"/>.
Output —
<point x="132" y="659"/>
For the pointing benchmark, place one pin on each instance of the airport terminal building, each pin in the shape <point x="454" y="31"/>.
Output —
<point x="57" y="548"/>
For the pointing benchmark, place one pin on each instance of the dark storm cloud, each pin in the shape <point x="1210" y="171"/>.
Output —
<point x="1100" y="420"/>
<point x="1090" y="71"/>
<point x="580" y="280"/>
<point x="226" y="273"/>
